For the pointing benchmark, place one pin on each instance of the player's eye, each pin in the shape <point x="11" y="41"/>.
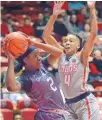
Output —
<point x="70" y="40"/>
<point x="65" y="40"/>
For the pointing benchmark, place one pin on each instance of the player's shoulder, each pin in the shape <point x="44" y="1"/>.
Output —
<point x="78" y="55"/>
<point x="62" y="56"/>
<point x="80" y="59"/>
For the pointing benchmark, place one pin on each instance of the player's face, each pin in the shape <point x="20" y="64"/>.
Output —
<point x="33" y="60"/>
<point x="71" y="44"/>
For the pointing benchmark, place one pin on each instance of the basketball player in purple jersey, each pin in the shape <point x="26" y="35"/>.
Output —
<point x="73" y="68"/>
<point x="37" y="82"/>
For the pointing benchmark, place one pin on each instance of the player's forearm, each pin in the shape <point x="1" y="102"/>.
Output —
<point x="91" y="41"/>
<point x="49" y="49"/>
<point x="94" y="27"/>
<point x="93" y="33"/>
<point x="48" y="38"/>
<point x="10" y="76"/>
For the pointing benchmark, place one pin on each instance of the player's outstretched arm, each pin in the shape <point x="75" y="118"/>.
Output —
<point x="93" y="34"/>
<point x="48" y="29"/>
<point x="54" y="51"/>
<point x="11" y="84"/>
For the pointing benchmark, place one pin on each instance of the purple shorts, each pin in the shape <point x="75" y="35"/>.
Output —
<point x="42" y="115"/>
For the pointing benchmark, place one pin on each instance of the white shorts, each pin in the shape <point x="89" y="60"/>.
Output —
<point x="85" y="109"/>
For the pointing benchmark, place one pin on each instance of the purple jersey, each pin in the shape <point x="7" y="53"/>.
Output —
<point x="42" y="87"/>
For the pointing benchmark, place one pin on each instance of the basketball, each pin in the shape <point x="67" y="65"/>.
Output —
<point x="16" y="43"/>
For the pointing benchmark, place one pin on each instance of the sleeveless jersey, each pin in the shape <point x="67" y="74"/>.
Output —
<point x="73" y="76"/>
<point x="44" y="91"/>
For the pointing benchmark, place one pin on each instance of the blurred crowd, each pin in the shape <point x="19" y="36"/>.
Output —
<point x="32" y="17"/>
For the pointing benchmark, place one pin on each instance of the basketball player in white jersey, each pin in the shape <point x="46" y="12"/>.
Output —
<point x="73" y="68"/>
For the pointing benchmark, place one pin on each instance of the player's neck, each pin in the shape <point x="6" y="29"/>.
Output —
<point x="70" y="53"/>
<point x="68" y="57"/>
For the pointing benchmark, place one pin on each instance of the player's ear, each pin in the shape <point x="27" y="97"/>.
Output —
<point x="78" y="46"/>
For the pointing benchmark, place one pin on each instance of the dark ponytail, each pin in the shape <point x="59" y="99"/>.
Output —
<point x="81" y="42"/>
<point x="18" y="68"/>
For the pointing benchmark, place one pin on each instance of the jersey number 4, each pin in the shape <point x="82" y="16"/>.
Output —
<point x="67" y="79"/>
<point x="52" y="84"/>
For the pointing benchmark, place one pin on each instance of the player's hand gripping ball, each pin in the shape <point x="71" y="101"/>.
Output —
<point x="16" y="43"/>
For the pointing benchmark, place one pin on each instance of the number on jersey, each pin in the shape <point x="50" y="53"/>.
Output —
<point x="52" y="84"/>
<point x="67" y="79"/>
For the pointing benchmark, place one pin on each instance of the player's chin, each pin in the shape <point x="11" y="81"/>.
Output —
<point x="68" y="51"/>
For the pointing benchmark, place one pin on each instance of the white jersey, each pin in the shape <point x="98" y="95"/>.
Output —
<point x="73" y="76"/>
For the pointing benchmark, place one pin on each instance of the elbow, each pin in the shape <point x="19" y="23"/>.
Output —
<point x="95" y="33"/>
<point x="10" y="88"/>
<point x="59" y="54"/>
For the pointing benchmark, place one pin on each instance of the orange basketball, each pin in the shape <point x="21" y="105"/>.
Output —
<point x="16" y="43"/>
